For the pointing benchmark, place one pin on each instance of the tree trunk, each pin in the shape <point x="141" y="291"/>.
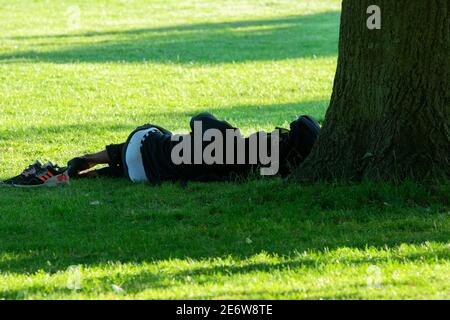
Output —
<point x="390" y="109"/>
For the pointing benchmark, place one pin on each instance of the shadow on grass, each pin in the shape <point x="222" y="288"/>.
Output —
<point x="240" y="116"/>
<point x="138" y="282"/>
<point x="51" y="230"/>
<point x="277" y="39"/>
<point x="276" y="114"/>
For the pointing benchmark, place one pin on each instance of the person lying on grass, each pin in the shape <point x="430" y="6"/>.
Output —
<point x="214" y="150"/>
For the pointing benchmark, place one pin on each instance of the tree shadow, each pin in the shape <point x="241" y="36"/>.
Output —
<point x="242" y="116"/>
<point x="245" y="116"/>
<point x="137" y="282"/>
<point x="135" y="224"/>
<point x="276" y="39"/>
<point x="263" y="115"/>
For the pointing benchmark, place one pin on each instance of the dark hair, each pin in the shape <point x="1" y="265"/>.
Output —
<point x="302" y="136"/>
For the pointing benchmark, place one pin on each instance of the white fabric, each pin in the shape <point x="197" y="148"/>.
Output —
<point x="133" y="156"/>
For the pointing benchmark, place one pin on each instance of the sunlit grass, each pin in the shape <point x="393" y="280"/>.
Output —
<point x="69" y="87"/>
<point x="341" y="273"/>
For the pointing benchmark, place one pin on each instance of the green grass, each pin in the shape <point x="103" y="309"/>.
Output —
<point x="68" y="88"/>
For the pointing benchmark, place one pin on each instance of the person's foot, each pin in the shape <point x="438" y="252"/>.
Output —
<point x="48" y="175"/>
<point x="29" y="171"/>
<point x="77" y="165"/>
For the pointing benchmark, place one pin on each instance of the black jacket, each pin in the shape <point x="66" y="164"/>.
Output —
<point x="157" y="150"/>
<point x="157" y="155"/>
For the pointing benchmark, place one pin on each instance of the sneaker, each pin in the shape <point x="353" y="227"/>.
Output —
<point x="49" y="175"/>
<point x="29" y="171"/>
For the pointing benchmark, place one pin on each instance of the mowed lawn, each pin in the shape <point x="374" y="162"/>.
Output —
<point x="77" y="75"/>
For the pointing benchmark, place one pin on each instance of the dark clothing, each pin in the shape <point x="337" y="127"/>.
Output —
<point x="157" y="155"/>
<point x="115" y="168"/>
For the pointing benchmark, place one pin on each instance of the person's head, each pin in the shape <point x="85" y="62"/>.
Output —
<point x="302" y="136"/>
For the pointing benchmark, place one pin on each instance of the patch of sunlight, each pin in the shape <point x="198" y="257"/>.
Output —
<point x="307" y="274"/>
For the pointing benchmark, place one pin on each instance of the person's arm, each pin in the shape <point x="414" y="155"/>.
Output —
<point x="112" y="156"/>
<point x="97" y="158"/>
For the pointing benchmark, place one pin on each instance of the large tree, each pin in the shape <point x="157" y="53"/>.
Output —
<point x="390" y="109"/>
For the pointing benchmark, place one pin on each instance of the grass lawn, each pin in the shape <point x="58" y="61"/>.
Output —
<point x="76" y="75"/>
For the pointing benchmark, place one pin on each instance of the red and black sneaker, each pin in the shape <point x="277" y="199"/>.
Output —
<point x="48" y="175"/>
<point x="29" y="171"/>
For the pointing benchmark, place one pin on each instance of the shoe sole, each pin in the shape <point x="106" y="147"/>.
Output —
<point x="55" y="181"/>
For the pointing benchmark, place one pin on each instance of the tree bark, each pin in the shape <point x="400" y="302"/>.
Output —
<point x="389" y="113"/>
